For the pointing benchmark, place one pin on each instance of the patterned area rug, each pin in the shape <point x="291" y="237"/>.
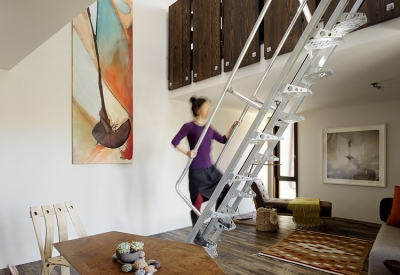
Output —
<point x="329" y="253"/>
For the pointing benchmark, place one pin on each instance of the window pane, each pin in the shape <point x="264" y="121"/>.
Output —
<point x="287" y="189"/>
<point x="287" y="152"/>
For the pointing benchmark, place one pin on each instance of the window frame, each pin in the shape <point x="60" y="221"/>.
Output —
<point x="277" y="166"/>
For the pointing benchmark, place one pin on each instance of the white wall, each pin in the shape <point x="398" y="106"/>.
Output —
<point x="351" y="202"/>
<point x="35" y="144"/>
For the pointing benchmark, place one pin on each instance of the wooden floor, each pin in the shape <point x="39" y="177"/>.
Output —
<point x="238" y="248"/>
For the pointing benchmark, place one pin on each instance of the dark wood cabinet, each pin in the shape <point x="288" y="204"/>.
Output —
<point x="239" y="18"/>
<point x="377" y="11"/>
<point x="206" y="39"/>
<point x="277" y="20"/>
<point x="312" y="5"/>
<point x="203" y="32"/>
<point x="179" y="55"/>
<point x="329" y="11"/>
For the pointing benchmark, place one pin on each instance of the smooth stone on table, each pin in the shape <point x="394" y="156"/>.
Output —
<point x="126" y="268"/>
<point x="139" y="264"/>
<point x="140" y="272"/>
<point x="156" y="263"/>
<point x="150" y="269"/>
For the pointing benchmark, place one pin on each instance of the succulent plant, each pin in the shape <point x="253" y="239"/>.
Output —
<point x="136" y="246"/>
<point x="124" y="247"/>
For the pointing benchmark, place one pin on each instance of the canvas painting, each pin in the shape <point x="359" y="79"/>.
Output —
<point x="102" y="96"/>
<point x="355" y="155"/>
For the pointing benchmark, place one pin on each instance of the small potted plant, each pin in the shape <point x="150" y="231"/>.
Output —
<point x="129" y="252"/>
<point x="136" y="246"/>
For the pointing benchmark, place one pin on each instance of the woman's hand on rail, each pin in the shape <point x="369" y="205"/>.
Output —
<point x="228" y="135"/>
<point x="191" y="153"/>
<point x="237" y="122"/>
<point x="183" y="149"/>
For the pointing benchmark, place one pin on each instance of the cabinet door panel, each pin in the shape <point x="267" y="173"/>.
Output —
<point x="206" y="39"/>
<point x="179" y="55"/>
<point x="333" y="4"/>
<point x="377" y="11"/>
<point x="374" y="9"/>
<point x="312" y="5"/>
<point x="277" y="20"/>
<point x="239" y="18"/>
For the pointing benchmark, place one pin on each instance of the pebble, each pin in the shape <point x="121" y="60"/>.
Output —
<point x="140" y="272"/>
<point x="127" y="268"/>
<point x="156" y="263"/>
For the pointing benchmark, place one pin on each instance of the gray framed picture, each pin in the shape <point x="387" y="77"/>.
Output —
<point x="355" y="155"/>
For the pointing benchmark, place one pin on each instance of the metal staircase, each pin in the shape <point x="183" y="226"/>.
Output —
<point x="313" y="40"/>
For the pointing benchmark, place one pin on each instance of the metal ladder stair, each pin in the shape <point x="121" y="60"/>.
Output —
<point x="312" y="40"/>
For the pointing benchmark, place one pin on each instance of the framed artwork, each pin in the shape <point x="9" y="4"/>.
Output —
<point x="102" y="83"/>
<point x="355" y="155"/>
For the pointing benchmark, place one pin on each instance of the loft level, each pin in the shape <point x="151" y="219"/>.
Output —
<point x="204" y="32"/>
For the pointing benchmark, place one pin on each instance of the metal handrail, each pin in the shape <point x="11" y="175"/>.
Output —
<point x="309" y="59"/>
<point x="257" y="121"/>
<point x="285" y="36"/>
<point x="231" y="76"/>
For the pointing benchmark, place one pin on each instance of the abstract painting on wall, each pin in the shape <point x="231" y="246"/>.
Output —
<point x="355" y="155"/>
<point x="102" y="96"/>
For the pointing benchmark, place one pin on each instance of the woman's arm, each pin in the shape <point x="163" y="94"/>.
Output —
<point x="189" y="153"/>
<point x="176" y="141"/>
<point x="223" y="139"/>
<point x="229" y="133"/>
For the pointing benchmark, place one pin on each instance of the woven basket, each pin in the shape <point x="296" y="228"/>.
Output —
<point x="267" y="219"/>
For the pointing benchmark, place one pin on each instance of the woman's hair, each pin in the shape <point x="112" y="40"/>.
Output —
<point x="196" y="104"/>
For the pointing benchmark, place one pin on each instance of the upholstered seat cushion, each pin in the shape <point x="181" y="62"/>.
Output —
<point x="386" y="247"/>
<point x="263" y="200"/>
<point x="387" y="243"/>
<point x="282" y="204"/>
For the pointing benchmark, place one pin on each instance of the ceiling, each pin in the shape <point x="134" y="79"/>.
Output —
<point x="368" y="55"/>
<point x="26" y="24"/>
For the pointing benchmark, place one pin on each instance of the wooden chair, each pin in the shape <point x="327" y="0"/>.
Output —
<point x="46" y="250"/>
<point x="12" y="270"/>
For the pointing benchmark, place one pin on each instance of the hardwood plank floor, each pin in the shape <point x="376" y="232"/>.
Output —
<point x="238" y="248"/>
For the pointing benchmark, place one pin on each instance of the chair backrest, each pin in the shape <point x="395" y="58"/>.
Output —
<point x="261" y="193"/>
<point x="12" y="269"/>
<point x="47" y="213"/>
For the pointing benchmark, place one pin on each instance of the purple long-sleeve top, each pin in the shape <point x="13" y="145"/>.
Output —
<point x="193" y="132"/>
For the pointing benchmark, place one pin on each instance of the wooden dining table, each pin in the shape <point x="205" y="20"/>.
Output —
<point x="92" y="255"/>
